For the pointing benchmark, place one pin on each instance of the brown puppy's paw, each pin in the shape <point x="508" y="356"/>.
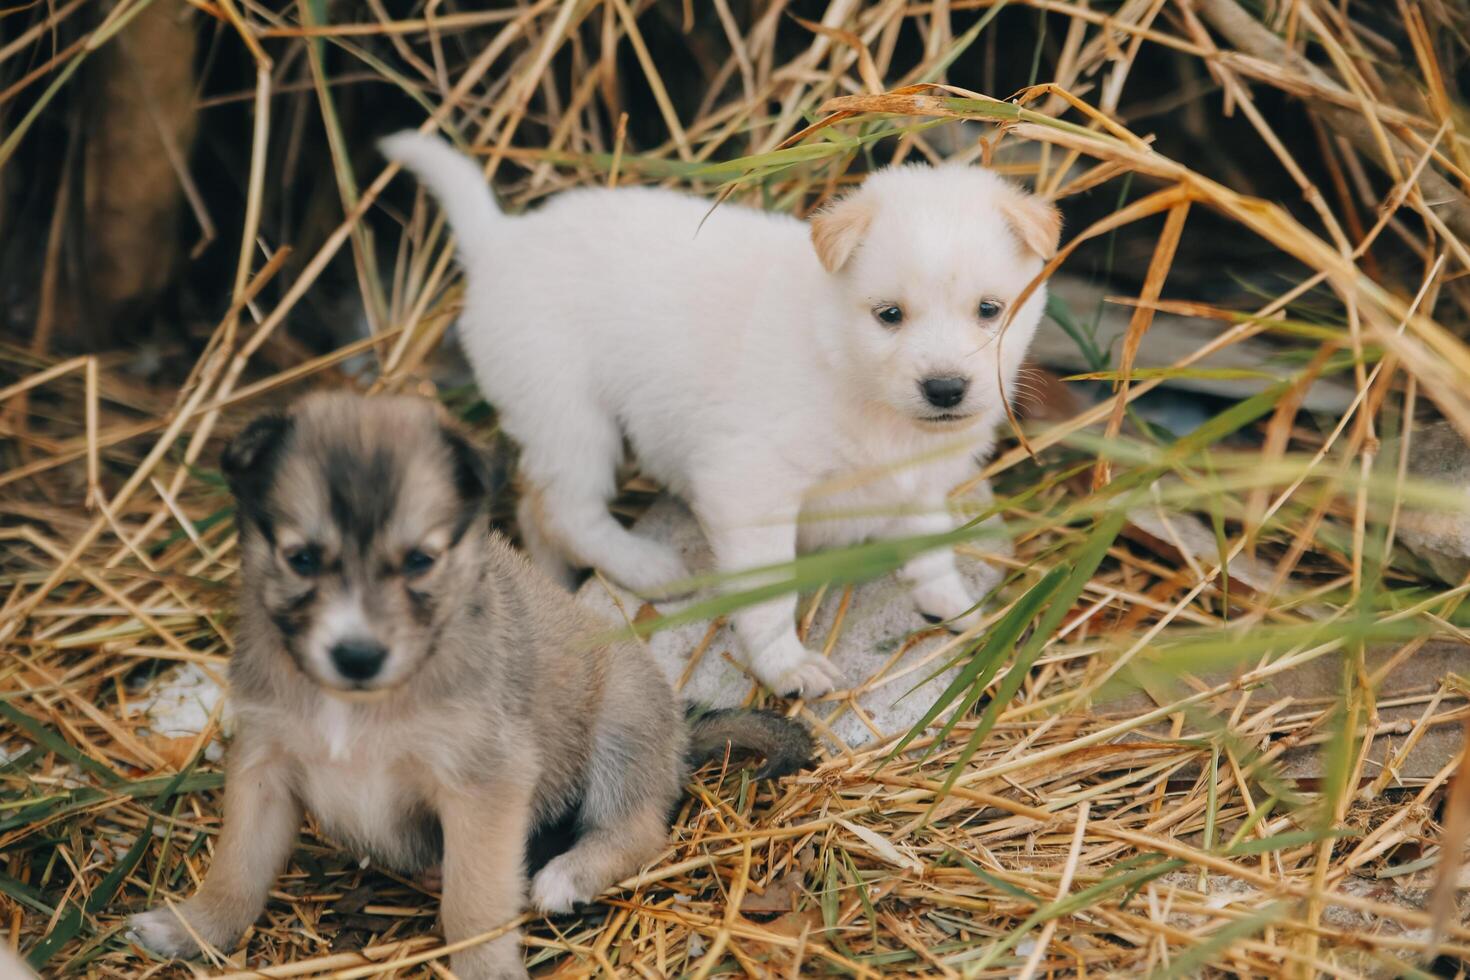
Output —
<point x="161" y="931"/>
<point x="558" y="888"/>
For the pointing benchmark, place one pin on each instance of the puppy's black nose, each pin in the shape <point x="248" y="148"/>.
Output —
<point x="944" y="392"/>
<point x="357" y="660"/>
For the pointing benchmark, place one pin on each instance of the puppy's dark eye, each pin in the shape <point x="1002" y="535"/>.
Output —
<point x="305" y="561"/>
<point x="990" y="309"/>
<point x="890" y="315"/>
<point x="417" y="562"/>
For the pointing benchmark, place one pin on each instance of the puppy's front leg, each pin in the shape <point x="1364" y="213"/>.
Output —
<point x="261" y="818"/>
<point x="767" y="632"/>
<point x="934" y="579"/>
<point x="485" y="832"/>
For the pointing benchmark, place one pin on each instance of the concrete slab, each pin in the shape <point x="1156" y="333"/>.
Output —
<point x="1402" y="699"/>
<point x="894" y="664"/>
<point x="892" y="661"/>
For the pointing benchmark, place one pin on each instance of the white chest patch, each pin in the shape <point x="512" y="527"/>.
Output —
<point x="362" y="805"/>
<point x="334" y="726"/>
<point x="353" y="782"/>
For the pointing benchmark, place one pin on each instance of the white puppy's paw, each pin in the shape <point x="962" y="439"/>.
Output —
<point x="650" y="569"/>
<point x="948" y="603"/>
<point x="161" y="931"/>
<point x="812" y="678"/>
<point x="791" y="670"/>
<point x="966" y="622"/>
<point x="556" y="889"/>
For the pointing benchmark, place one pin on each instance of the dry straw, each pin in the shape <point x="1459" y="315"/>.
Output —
<point x="1057" y="827"/>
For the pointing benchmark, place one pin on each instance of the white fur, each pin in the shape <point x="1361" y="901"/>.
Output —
<point x="340" y="621"/>
<point x="162" y="931"/>
<point x="350" y="785"/>
<point x="356" y="801"/>
<point x="357" y="765"/>
<point x="554" y="889"/>
<point x="335" y="728"/>
<point x="744" y="374"/>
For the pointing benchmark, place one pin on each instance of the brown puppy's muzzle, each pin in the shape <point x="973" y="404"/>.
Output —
<point x="358" y="661"/>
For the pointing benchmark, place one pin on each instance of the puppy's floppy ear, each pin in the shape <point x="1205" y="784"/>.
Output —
<point x="247" y="460"/>
<point x="477" y="475"/>
<point x="1036" y="222"/>
<point x="839" y="229"/>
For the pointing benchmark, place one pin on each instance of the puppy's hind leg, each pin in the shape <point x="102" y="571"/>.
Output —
<point x="632" y="782"/>
<point x="605" y="853"/>
<point x="573" y="470"/>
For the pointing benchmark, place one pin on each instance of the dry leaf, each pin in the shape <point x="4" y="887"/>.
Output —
<point x="777" y="897"/>
<point x="882" y="848"/>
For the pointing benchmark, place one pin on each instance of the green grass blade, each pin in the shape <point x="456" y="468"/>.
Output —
<point x="999" y="884"/>
<point x="100" y="37"/>
<point x="45" y="736"/>
<point x="23" y="894"/>
<point x="985" y="662"/>
<point x="87" y="796"/>
<point x="1064" y="905"/>
<point x="65" y="930"/>
<point x="108" y="886"/>
<point x="1083" y="337"/>
<point x="1189" y="962"/>
<point x="1077" y="576"/>
<point x="1286" y="841"/>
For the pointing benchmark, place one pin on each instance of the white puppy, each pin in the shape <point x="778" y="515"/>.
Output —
<point x="754" y="362"/>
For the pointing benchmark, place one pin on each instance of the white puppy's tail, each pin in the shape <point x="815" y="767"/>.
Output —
<point x="459" y="185"/>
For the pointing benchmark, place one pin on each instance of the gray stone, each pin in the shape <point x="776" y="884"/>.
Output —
<point x="1440" y="536"/>
<point x="1171" y="338"/>
<point x="894" y="664"/>
<point x="1399" y="703"/>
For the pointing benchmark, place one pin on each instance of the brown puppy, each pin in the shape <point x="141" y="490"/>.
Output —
<point x="408" y="677"/>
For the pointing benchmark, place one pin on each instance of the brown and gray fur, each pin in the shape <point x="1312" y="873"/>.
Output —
<point x="498" y="705"/>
